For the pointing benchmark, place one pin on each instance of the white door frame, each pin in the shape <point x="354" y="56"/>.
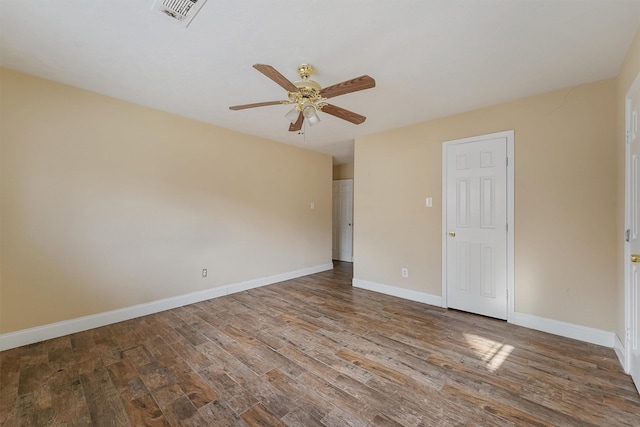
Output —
<point x="627" y="226"/>
<point x="510" y="213"/>
<point x="350" y="224"/>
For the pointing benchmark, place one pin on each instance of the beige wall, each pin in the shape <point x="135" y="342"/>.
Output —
<point x="565" y="202"/>
<point x="344" y="171"/>
<point x="628" y="72"/>
<point x="106" y="204"/>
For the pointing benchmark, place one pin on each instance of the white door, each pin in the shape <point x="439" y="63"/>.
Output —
<point x="343" y="220"/>
<point x="475" y="227"/>
<point x="632" y="294"/>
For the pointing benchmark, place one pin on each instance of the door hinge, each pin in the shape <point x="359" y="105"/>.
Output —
<point x="507" y="161"/>
<point x="628" y="137"/>
<point x="507" y="227"/>
<point x="627" y="235"/>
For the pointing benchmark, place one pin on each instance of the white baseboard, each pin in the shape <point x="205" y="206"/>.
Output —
<point x="398" y="292"/>
<point x="620" y="352"/>
<point x="79" y="324"/>
<point x="568" y="330"/>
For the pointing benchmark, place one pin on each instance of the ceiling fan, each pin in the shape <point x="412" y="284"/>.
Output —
<point x="308" y="97"/>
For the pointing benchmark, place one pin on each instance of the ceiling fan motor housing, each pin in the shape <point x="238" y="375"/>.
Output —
<point x="304" y="71"/>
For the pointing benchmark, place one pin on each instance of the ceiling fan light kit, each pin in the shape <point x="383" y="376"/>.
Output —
<point x="310" y="113"/>
<point x="308" y="97"/>
<point x="292" y="115"/>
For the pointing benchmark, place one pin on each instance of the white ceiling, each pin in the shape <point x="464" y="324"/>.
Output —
<point x="430" y="58"/>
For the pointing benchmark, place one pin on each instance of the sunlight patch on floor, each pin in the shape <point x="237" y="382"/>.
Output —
<point x="493" y="353"/>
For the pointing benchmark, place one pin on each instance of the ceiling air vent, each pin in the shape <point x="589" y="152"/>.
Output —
<point x="180" y="11"/>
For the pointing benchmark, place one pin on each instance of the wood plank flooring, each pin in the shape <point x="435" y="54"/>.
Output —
<point x="314" y="352"/>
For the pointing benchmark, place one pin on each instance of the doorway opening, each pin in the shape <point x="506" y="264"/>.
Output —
<point x="631" y="339"/>
<point x="342" y="220"/>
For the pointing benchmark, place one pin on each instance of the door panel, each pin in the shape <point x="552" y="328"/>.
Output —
<point x="487" y="202"/>
<point x="633" y="290"/>
<point x="487" y="276"/>
<point x="476" y="219"/>
<point x="463" y="268"/>
<point x="463" y="214"/>
<point x="343" y="220"/>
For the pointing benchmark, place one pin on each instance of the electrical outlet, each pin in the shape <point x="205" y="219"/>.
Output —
<point x="204" y="272"/>
<point x="405" y="272"/>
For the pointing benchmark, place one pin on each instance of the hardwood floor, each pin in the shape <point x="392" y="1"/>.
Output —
<point x="314" y="352"/>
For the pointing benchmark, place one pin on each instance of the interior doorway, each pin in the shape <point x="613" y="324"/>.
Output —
<point x="343" y="220"/>
<point x="478" y="224"/>
<point x="632" y="246"/>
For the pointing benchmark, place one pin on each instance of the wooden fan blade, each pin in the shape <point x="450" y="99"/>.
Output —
<point x="257" y="104"/>
<point x="343" y="114"/>
<point x="353" y="85"/>
<point x="294" y="127"/>
<point x="274" y="75"/>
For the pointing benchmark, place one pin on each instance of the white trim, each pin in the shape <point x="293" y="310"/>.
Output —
<point x="620" y="350"/>
<point x="556" y="327"/>
<point x="626" y="244"/>
<point x="511" y="221"/>
<point x="567" y="330"/>
<point x="66" y="327"/>
<point x="509" y="135"/>
<point x="443" y="235"/>
<point x="627" y="225"/>
<point x="398" y="292"/>
<point x="350" y="225"/>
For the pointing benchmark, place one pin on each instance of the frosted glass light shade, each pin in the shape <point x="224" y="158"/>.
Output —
<point x="292" y="115"/>
<point x="309" y="112"/>
<point x="313" y="119"/>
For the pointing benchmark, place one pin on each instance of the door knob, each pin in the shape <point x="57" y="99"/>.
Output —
<point x="453" y="234"/>
<point x="635" y="257"/>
